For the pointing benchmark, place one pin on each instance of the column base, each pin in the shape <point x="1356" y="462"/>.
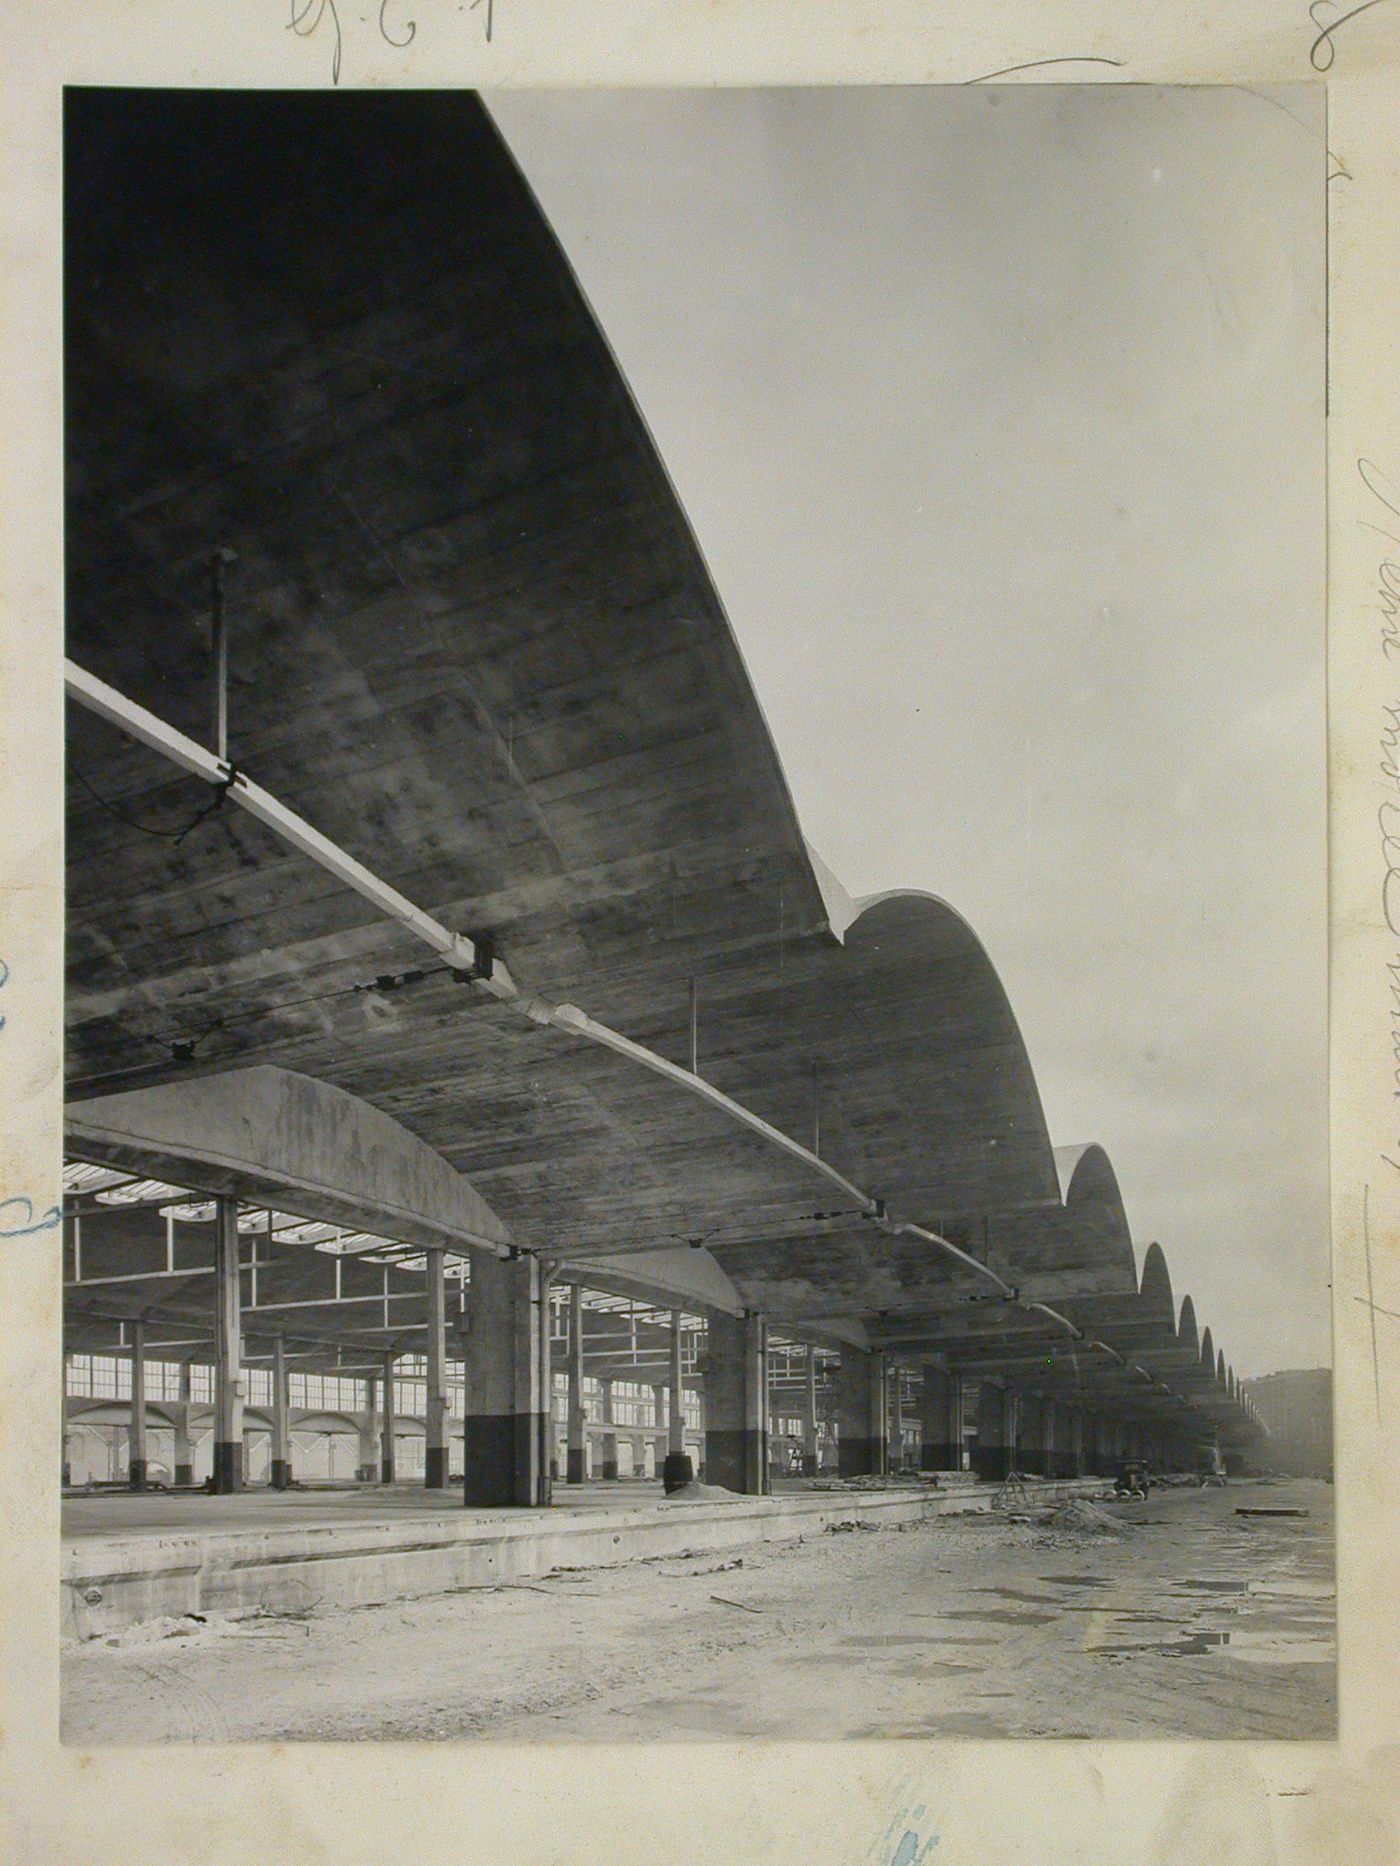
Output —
<point x="228" y="1468"/>
<point x="386" y="1471"/>
<point x="991" y="1463"/>
<point x="435" y="1468"/>
<point x="856" y="1457"/>
<point x="609" y="1457"/>
<point x="939" y="1457"/>
<point x="136" y="1473"/>
<point x="809" y="1464"/>
<point x="1033" y="1461"/>
<point x="280" y="1474"/>
<point x="184" y="1473"/>
<point x="576" y="1471"/>
<point x="738" y="1460"/>
<point x="499" y="1461"/>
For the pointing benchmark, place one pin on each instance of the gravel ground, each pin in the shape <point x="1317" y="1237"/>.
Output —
<point x="1189" y="1621"/>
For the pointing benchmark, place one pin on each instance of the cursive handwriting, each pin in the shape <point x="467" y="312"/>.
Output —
<point x="1387" y="499"/>
<point x="23" y="1221"/>
<point x="395" y="25"/>
<point x="1323" y="53"/>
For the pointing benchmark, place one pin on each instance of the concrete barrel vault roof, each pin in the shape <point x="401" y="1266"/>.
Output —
<point x="473" y="640"/>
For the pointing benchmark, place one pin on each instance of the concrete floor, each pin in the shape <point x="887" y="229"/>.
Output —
<point x="118" y="1512"/>
<point x="1196" y="1623"/>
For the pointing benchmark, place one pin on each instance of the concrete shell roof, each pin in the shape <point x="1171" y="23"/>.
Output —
<point x="474" y="642"/>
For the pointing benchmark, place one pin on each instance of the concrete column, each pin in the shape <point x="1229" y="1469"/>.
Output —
<point x="229" y="1384"/>
<point x="184" y="1456"/>
<point x="991" y="1458"/>
<point x="577" y="1467"/>
<point x="940" y="1422"/>
<point x="386" y="1426"/>
<point x="609" y="1436"/>
<point x="280" y="1474"/>
<point x="1029" y="1454"/>
<point x="736" y="1437"/>
<point x="435" y="1453"/>
<point x="507" y="1398"/>
<point x="675" y="1433"/>
<point x="894" y="1422"/>
<point x="136" y="1463"/>
<point x="809" y="1415"/>
<point x="1075" y="1456"/>
<point x="63" y="1402"/>
<point x="855" y="1416"/>
<point x="661" y="1434"/>
<point x="369" y="1433"/>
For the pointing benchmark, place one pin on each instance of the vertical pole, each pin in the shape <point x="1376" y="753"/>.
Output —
<point x="809" y="1416"/>
<point x="228" y="1350"/>
<point x="184" y="1462"/>
<point x="136" y="1465"/>
<point x="546" y="1463"/>
<point x="575" y="1469"/>
<point x="386" y="1434"/>
<point x="879" y="1415"/>
<point x="694" y="1027"/>
<point x="63" y="1401"/>
<point x="280" y="1474"/>
<point x="675" y="1432"/>
<point x="369" y="1429"/>
<point x="609" y="1436"/>
<point x="435" y="1456"/>
<point x="219" y="632"/>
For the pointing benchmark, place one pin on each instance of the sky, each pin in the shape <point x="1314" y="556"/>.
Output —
<point x="998" y="417"/>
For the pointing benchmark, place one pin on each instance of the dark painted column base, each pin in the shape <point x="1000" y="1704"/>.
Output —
<point x="577" y="1471"/>
<point x="280" y="1474"/>
<point x="609" y="1457"/>
<point x="228" y="1467"/>
<point x="498" y="1459"/>
<point x="856" y="1456"/>
<point x="136" y="1473"/>
<point x="386" y="1470"/>
<point x="939" y="1457"/>
<point x="738" y="1460"/>
<point x="809" y="1464"/>
<point x="435" y="1468"/>
<point x="184" y="1473"/>
<point x="991" y="1463"/>
<point x="1032" y="1460"/>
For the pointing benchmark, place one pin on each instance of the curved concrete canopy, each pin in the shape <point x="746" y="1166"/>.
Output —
<point x="473" y="641"/>
<point x="274" y="1136"/>
<point x="1186" y="1332"/>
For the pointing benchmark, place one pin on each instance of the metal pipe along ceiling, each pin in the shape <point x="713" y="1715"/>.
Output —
<point x="461" y="953"/>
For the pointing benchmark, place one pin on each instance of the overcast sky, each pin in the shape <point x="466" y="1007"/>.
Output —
<point x="998" y="417"/>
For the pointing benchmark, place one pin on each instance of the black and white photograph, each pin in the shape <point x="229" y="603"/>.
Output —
<point x="696" y="882"/>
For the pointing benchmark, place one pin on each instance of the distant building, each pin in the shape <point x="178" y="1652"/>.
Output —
<point x="1297" y="1409"/>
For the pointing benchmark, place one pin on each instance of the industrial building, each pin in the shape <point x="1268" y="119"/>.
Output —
<point x="474" y="1080"/>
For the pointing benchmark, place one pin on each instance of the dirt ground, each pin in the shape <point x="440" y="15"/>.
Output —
<point x="1192" y="1621"/>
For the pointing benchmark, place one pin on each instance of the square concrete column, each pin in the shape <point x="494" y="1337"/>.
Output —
<point x="1029" y="1445"/>
<point x="858" y="1432"/>
<point x="675" y="1432"/>
<point x="280" y="1474"/>
<point x="229" y="1384"/>
<point x="435" y="1420"/>
<point x="369" y="1433"/>
<point x="505" y="1440"/>
<point x="940" y="1421"/>
<point x="387" y="1422"/>
<point x="894" y="1419"/>
<point x="991" y="1460"/>
<point x="809" y="1415"/>
<point x="736" y="1436"/>
<point x="576" y="1469"/>
<point x="136" y="1463"/>
<point x="184" y="1459"/>
<point x="609" y="1436"/>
